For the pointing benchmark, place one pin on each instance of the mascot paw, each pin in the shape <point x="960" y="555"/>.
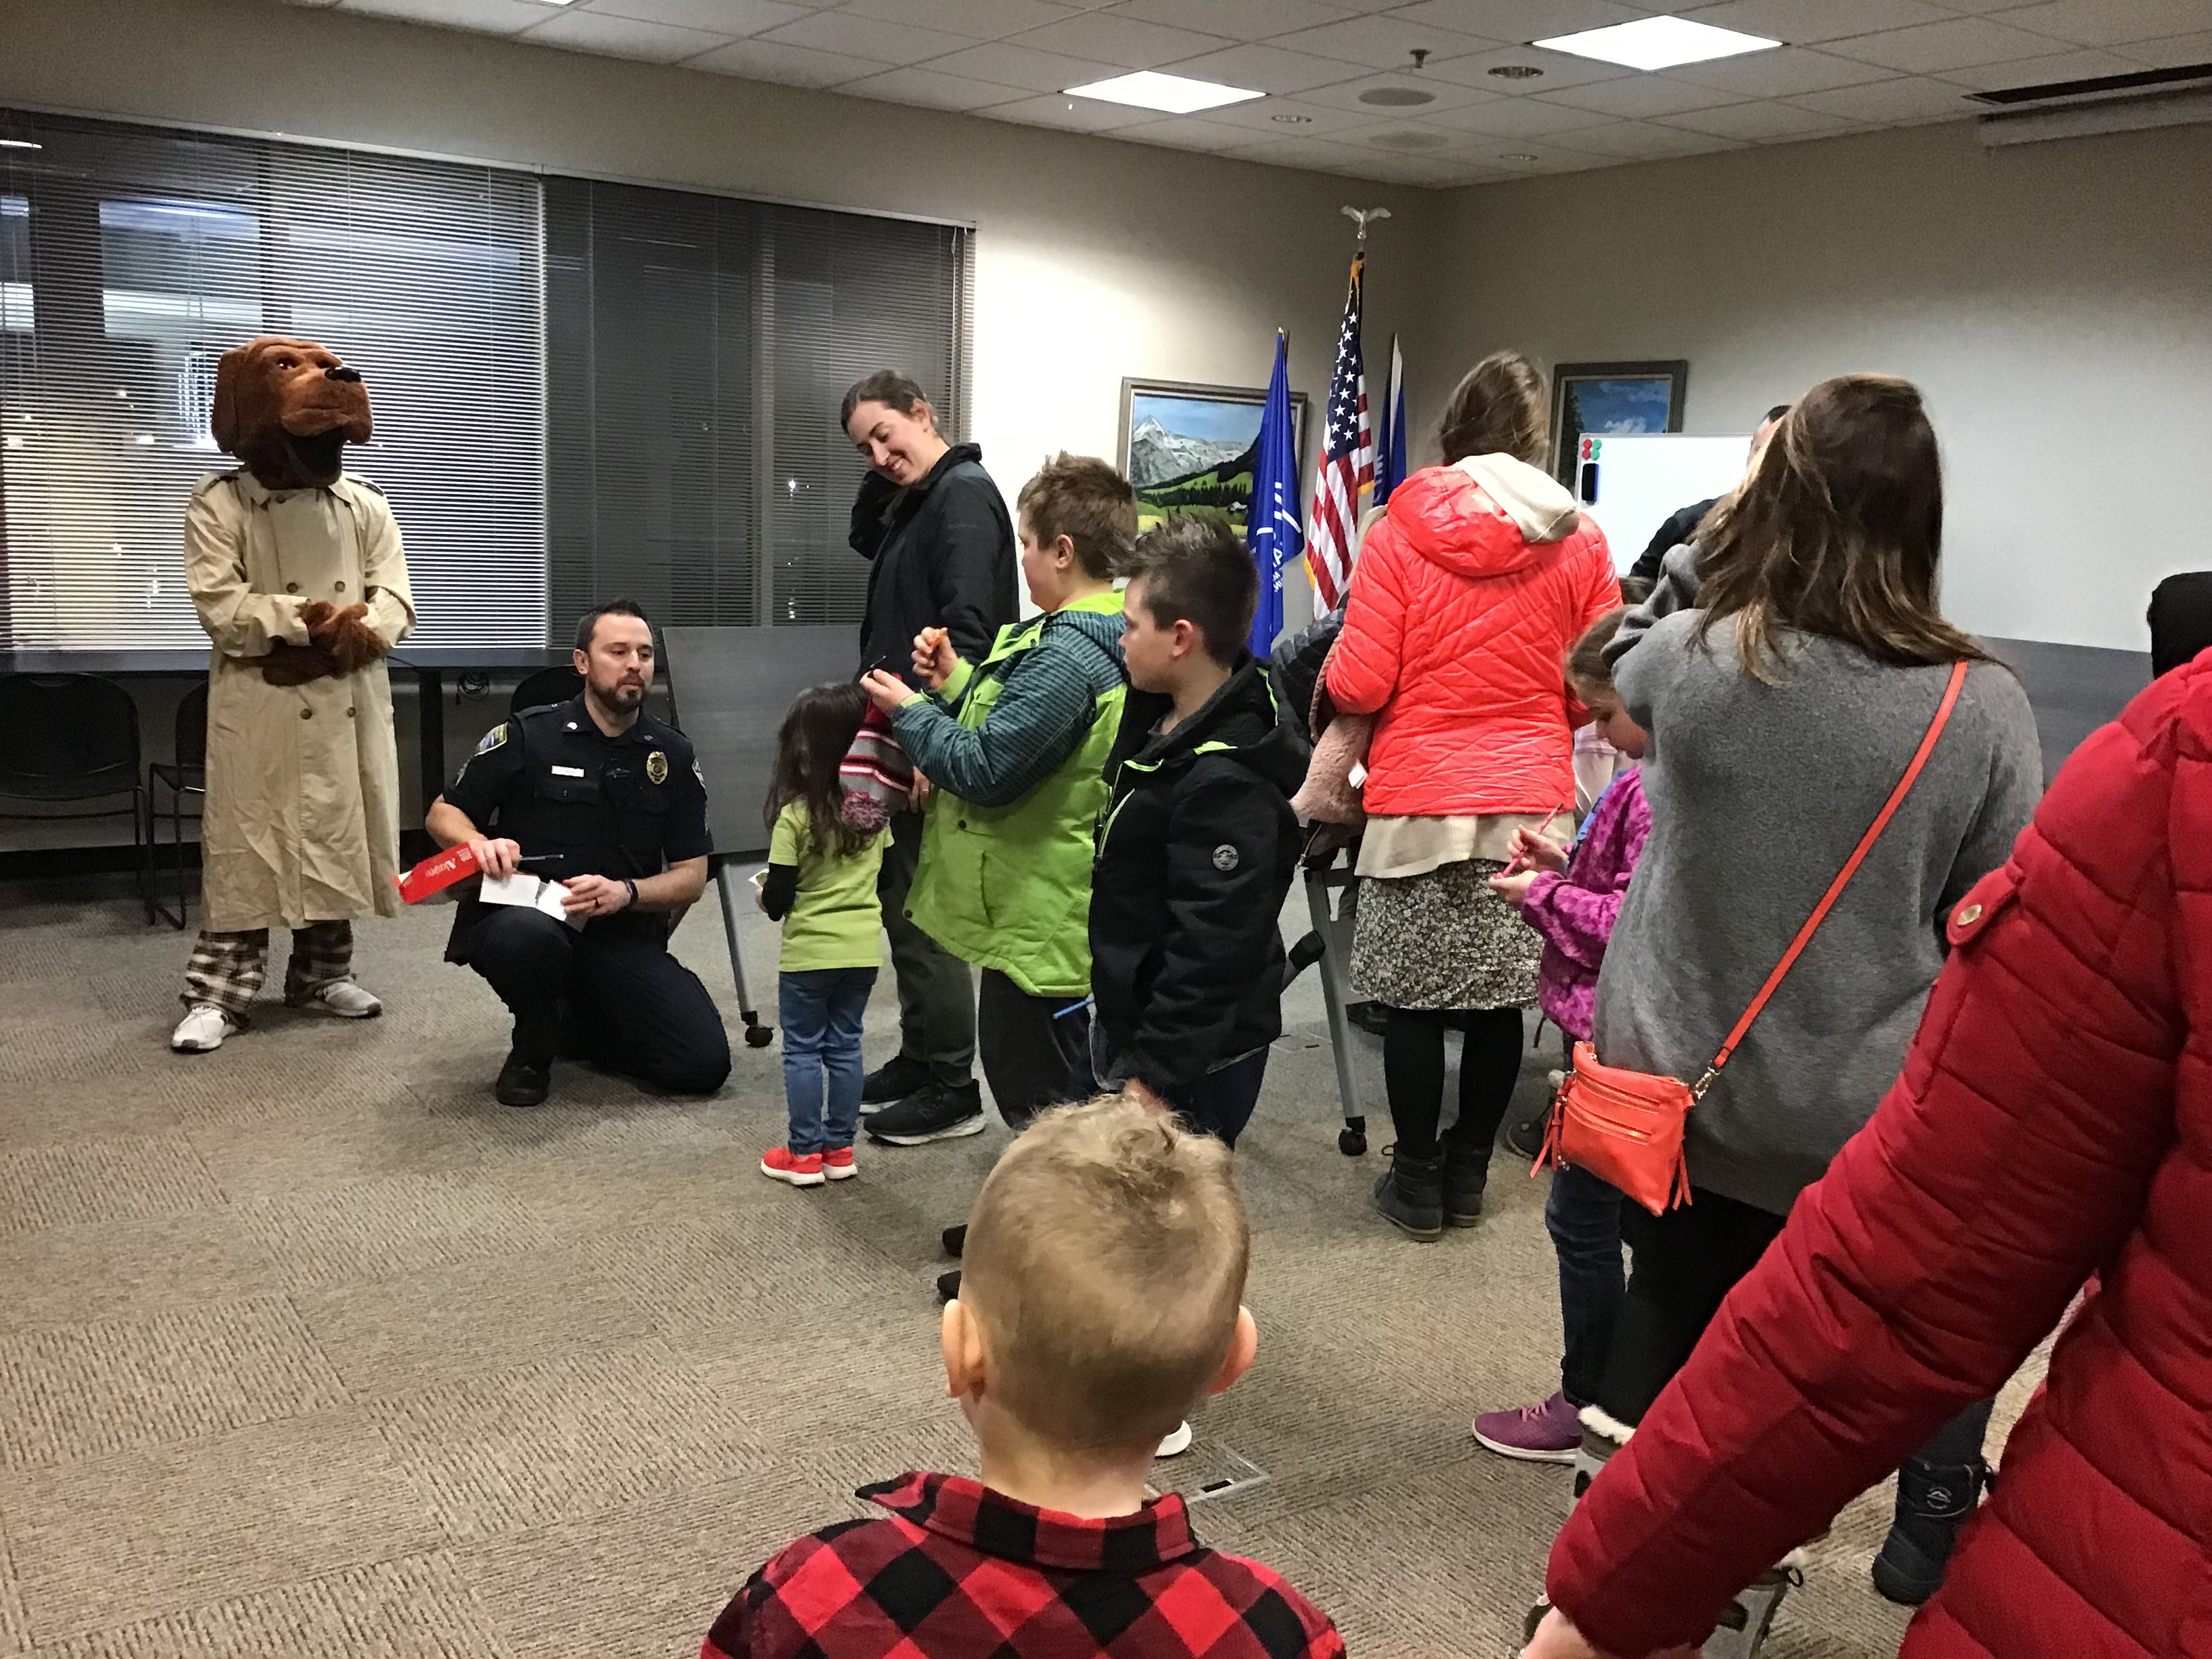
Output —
<point x="296" y="665"/>
<point x="345" y="635"/>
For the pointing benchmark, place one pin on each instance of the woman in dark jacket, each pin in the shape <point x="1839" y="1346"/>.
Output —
<point x="936" y="532"/>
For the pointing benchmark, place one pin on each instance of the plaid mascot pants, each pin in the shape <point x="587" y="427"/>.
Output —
<point x="227" y="970"/>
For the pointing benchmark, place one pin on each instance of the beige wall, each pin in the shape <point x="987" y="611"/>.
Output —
<point x="2053" y="300"/>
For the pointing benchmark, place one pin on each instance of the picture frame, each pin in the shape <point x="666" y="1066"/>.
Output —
<point x="1603" y="398"/>
<point x="1187" y="447"/>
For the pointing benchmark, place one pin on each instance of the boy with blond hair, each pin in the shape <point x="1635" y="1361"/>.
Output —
<point x="1105" y="1273"/>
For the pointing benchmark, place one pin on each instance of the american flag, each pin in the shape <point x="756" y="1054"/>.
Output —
<point x="1347" y="459"/>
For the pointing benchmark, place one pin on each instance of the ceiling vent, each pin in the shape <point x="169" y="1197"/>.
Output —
<point x="2102" y="104"/>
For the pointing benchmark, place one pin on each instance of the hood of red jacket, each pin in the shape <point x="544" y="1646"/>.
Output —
<point x="1485" y="516"/>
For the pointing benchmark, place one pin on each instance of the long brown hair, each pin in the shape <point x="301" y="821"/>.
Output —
<point x="1836" y="531"/>
<point x="1498" y="408"/>
<point x="817" y="729"/>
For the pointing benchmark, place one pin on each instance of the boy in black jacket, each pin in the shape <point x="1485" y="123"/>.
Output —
<point x="1196" y="851"/>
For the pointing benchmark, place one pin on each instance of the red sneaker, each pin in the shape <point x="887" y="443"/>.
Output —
<point x="781" y="1164"/>
<point x="837" y="1163"/>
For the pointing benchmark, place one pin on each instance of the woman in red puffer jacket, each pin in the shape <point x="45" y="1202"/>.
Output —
<point x="1465" y="599"/>
<point x="2052" y="1126"/>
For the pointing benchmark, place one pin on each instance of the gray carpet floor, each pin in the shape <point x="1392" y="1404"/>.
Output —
<point x="306" y="1347"/>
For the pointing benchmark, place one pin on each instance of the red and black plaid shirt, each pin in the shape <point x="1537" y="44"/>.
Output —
<point x="958" y="1571"/>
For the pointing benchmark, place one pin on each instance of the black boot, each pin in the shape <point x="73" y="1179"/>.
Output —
<point x="1934" y="1500"/>
<point x="1411" y="1193"/>
<point x="1466" y="1174"/>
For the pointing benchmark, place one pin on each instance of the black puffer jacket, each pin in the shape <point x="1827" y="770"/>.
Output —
<point x="943" y="557"/>
<point x="1194" y="859"/>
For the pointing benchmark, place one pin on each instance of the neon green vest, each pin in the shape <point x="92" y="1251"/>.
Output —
<point x="1009" y="887"/>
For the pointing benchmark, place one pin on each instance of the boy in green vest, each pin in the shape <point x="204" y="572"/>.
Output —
<point x="1016" y="747"/>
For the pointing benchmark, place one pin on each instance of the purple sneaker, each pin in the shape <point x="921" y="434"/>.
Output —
<point x="1547" y="1432"/>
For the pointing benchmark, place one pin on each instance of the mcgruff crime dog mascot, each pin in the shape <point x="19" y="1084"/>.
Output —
<point x="296" y="571"/>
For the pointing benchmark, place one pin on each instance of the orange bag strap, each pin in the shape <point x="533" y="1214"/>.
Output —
<point x="1843" y="878"/>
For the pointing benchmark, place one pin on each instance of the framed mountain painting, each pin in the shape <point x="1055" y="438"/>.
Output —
<point x="1190" y="448"/>
<point x="1600" y="400"/>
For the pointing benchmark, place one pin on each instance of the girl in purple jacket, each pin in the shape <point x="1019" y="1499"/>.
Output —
<point x="1572" y="899"/>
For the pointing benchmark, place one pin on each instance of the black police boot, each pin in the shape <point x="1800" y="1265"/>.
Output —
<point x="523" y="1082"/>
<point x="894" y="1080"/>
<point x="1410" y="1195"/>
<point x="1934" y="1501"/>
<point x="934" y="1112"/>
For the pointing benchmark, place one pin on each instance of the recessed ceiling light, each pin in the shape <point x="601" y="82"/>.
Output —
<point x="1396" y="97"/>
<point x="1658" y="43"/>
<point x="1514" y="71"/>
<point x="1293" y="120"/>
<point x="1175" y="93"/>
<point x="18" y="144"/>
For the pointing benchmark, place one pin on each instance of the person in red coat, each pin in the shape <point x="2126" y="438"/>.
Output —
<point x="1465" y="599"/>
<point x="2052" y="1126"/>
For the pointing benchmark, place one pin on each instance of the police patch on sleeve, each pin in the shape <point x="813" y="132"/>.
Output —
<point x="1224" y="857"/>
<point x="656" y="767"/>
<point x="493" y="738"/>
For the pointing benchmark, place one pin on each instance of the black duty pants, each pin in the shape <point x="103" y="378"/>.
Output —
<point x="611" y="994"/>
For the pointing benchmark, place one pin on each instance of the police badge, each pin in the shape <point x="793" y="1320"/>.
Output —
<point x="656" y="767"/>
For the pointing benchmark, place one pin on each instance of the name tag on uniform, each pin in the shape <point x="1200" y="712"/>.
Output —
<point x="567" y="771"/>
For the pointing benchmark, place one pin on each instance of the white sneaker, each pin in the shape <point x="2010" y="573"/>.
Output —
<point x="1176" y="1443"/>
<point x="341" y="997"/>
<point x="204" y="1027"/>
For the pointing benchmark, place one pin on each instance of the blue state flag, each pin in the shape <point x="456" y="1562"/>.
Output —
<point x="1273" y="523"/>
<point x="1390" y="444"/>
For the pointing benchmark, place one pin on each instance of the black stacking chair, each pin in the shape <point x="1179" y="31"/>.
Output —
<point x="69" y="738"/>
<point x="187" y="775"/>
<point x="546" y="685"/>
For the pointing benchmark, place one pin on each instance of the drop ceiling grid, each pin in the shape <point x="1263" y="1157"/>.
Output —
<point x="1847" y="65"/>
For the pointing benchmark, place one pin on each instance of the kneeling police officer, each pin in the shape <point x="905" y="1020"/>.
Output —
<point x="609" y="802"/>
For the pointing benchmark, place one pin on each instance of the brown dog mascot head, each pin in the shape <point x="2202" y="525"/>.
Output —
<point x="286" y="408"/>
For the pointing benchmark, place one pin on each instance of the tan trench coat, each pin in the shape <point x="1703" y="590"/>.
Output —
<point x="303" y="820"/>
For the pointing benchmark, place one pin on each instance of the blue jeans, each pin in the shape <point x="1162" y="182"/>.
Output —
<point x="1583" y="1216"/>
<point x="820" y="1010"/>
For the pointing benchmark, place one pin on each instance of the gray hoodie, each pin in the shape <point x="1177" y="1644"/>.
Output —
<point x="1758" y="793"/>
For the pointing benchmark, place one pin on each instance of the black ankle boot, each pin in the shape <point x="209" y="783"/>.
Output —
<point x="1934" y="1500"/>
<point x="1411" y="1193"/>
<point x="1466" y="1175"/>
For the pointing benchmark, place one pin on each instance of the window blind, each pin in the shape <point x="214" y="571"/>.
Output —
<point x="699" y="347"/>
<point x="131" y="257"/>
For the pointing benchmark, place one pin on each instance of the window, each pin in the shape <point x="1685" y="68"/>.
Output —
<point x="140" y="255"/>
<point x="699" y="349"/>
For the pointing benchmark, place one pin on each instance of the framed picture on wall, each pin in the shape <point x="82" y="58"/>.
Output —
<point x="1601" y="399"/>
<point x="1190" y="448"/>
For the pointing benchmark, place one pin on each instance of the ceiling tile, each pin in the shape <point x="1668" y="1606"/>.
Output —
<point x="1382" y="42"/>
<point x="1320" y="152"/>
<point x="1129" y="43"/>
<point x="2041" y="71"/>
<point x="932" y="90"/>
<point x="1519" y="118"/>
<point x="1267" y="68"/>
<point x="2174" y="53"/>
<point x="1806" y="22"/>
<point x="497" y="16"/>
<point x="1894" y="103"/>
<point x="2114" y="22"/>
<point x="1443" y="95"/>
<point x="1540" y="156"/>
<point x="1009" y="65"/>
<point x="790" y="66"/>
<point x="1761" y="122"/>
<point x="1781" y="74"/>
<point x="1519" y="21"/>
<point x="1559" y="70"/>
<point x="855" y="36"/>
<point x="1931" y="48"/>
<point x="723" y="17"/>
<point x="1645" y="140"/>
<point x="983" y="20"/>
<point x="1258" y="116"/>
<point x="1070" y="114"/>
<point x="1639" y="95"/>
<point x="1184" y="132"/>
<point x="1232" y="20"/>
<point x="623" y="36"/>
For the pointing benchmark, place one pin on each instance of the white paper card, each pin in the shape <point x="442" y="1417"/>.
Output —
<point x="527" y="890"/>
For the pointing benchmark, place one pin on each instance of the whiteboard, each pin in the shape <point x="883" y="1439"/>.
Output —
<point x="1635" y="482"/>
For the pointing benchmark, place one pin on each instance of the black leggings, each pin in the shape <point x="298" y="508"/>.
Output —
<point x="1413" y="1072"/>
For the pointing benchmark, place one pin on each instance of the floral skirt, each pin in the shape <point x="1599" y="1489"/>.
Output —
<point x="1443" y="940"/>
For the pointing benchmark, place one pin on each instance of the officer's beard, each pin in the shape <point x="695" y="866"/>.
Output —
<point x="620" y="700"/>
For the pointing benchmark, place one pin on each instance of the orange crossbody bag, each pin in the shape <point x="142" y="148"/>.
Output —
<point x="1627" y="1127"/>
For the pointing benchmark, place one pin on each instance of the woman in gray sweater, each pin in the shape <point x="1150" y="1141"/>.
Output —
<point x="1783" y="710"/>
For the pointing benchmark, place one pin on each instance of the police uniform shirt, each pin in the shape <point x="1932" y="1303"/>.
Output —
<point x="550" y="780"/>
